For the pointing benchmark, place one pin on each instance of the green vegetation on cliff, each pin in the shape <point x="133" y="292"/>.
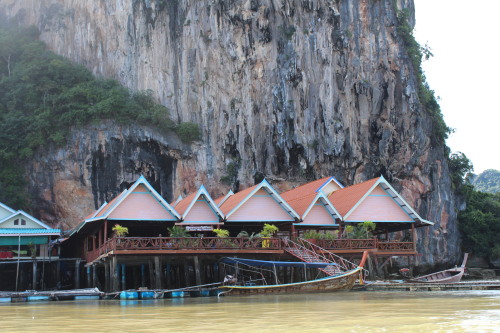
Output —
<point x="487" y="181"/>
<point x="426" y="96"/>
<point x="480" y="224"/>
<point x="43" y="95"/>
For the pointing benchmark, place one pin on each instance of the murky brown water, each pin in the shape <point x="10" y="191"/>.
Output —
<point x="334" y="312"/>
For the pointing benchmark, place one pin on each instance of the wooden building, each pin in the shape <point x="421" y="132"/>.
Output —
<point x="149" y="257"/>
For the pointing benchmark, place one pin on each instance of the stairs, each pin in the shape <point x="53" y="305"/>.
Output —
<point x="309" y="256"/>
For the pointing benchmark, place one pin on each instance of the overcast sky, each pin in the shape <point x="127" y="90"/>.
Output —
<point x="465" y="72"/>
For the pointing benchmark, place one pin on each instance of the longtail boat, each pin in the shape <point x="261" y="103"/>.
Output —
<point x="339" y="280"/>
<point x="452" y="275"/>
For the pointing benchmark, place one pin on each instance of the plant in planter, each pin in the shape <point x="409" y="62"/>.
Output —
<point x="221" y="233"/>
<point x="267" y="232"/>
<point x="178" y="232"/>
<point x="331" y="235"/>
<point x="242" y="234"/>
<point x="120" y="231"/>
<point x="312" y="236"/>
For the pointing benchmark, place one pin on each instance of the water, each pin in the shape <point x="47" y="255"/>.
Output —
<point x="474" y="311"/>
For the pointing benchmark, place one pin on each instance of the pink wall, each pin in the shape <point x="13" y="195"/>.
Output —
<point x="141" y="205"/>
<point x="260" y="207"/>
<point x="379" y="206"/>
<point x="318" y="215"/>
<point x="201" y="212"/>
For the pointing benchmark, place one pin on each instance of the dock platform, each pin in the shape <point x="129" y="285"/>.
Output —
<point x="403" y="286"/>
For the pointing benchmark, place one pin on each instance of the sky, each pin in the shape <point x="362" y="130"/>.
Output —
<point x="465" y="72"/>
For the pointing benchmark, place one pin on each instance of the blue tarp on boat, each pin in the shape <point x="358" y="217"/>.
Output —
<point x="264" y="263"/>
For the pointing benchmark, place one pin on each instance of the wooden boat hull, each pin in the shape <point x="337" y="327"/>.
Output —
<point x="447" y="276"/>
<point x="343" y="281"/>
<point x="453" y="275"/>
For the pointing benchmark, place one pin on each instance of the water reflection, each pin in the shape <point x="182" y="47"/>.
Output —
<point x="333" y="312"/>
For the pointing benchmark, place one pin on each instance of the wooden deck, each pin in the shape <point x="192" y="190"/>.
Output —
<point x="235" y="245"/>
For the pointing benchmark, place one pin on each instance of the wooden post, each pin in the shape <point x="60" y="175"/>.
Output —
<point x="294" y="232"/>
<point x="34" y="274"/>
<point x="105" y="230"/>
<point x="99" y="239"/>
<point x="341" y="227"/>
<point x="151" y="275"/>
<point x="197" y="270"/>
<point x="77" y="273"/>
<point x="414" y="236"/>
<point x="158" y="274"/>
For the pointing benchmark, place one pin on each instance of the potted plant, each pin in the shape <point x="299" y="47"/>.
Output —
<point x="267" y="232"/>
<point x="223" y="233"/>
<point x="312" y="236"/>
<point x="178" y="232"/>
<point x="120" y="231"/>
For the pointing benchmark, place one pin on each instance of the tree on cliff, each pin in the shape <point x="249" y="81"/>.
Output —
<point x="43" y="95"/>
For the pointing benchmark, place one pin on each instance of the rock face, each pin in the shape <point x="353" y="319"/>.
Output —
<point x="283" y="89"/>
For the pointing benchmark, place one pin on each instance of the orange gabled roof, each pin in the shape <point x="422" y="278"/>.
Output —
<point x="184" y="203"/>
<point x="235" y="199"/>
<point x="345" y="199"/>
<point x="301" y="204"/>
<point x="304" y="190"/>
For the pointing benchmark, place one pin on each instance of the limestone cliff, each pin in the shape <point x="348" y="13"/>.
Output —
<point x="286" y="89"/>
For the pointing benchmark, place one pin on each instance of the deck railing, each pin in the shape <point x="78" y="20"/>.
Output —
<point x="184" y="243"/>
<point x="365" y="244"/>
<point x="132" y="244"/>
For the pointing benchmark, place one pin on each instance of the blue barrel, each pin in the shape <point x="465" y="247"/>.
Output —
<point x="4" y="299"/>
<point x="204" y="292"/>
<point x="178" y="294"/>
<point x="38" y="298"/>
<point x="82" y="297"/>
<point x="129" y="295"/>
<point x="147" y="294"/>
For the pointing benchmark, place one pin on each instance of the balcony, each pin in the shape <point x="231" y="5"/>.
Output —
<point x="233" y="245"/>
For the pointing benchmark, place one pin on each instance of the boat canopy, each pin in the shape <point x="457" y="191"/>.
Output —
<point x="264" y="263"/>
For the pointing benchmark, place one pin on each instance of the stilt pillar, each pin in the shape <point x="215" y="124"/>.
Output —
<point x="89" y="278"/>
<point x="114" y="271"/>
<point x="107" y="267"/>
<point x="143" y="275"/>
<point x="35" y="273"/>
<point x="158" y="280"/>
<point x="152" y="283"/>
<point x="94" y="275"/>
<point x="77" y="273"/>
<point x="197" y="270"/>
<point x="124" y="276"/>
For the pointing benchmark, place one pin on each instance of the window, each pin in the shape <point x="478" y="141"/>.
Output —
<point x="16" y="222"/>
<point x="23" y="222"/>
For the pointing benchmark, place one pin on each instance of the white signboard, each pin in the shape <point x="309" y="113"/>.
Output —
<point x="199" y="228"/>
